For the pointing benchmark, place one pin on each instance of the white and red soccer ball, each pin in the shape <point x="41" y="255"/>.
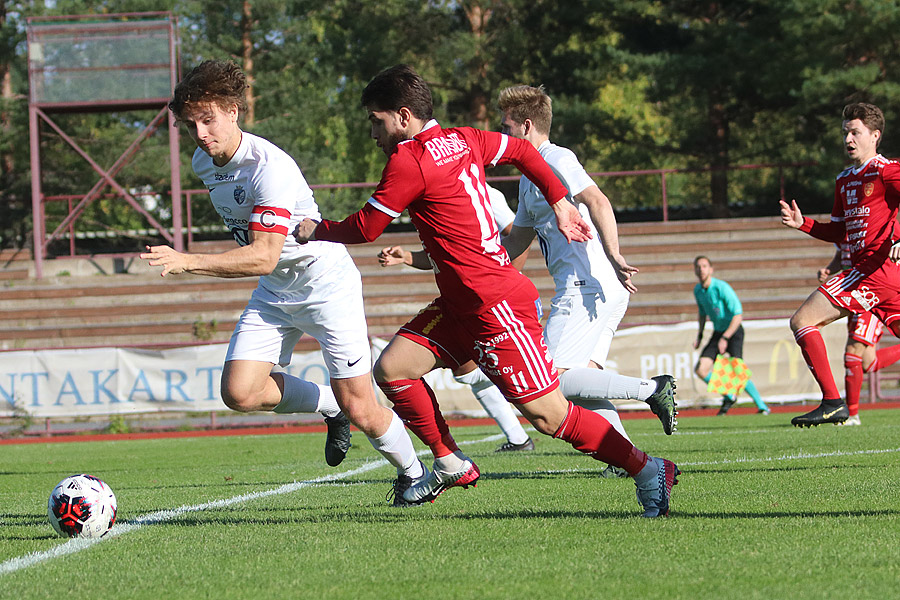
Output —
<point x="82" y="506"/>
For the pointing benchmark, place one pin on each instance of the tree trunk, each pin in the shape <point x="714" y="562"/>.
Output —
<point x="479" y="113"/>
<point x="718" y="179"/>
<point x="6" y="98"/>
<point x="247" y="62"/>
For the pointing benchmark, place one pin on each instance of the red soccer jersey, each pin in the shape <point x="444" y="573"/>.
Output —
<point x="865" y="208"/>
<point x="438" y="176"/>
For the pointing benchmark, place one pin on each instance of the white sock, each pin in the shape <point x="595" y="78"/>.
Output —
<point x="495" y="405"/>
<point x="397" y="448"/>
<point x="613" y="417"/>
<point x="595" y="384"/>
<point x="301" y="396"/>
<point x="451" y="463"/>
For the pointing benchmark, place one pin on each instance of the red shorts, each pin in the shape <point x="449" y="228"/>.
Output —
<point x="877" y="292"/>
<point x="864" y="328"/>
<point x="506" y="340"/>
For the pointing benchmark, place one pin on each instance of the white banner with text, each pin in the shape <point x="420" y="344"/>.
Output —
<point x="110" y="381"/>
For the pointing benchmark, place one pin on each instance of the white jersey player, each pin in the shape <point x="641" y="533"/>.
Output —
<point x="592" y="279"/>
<point x="315" y="288"/>
<point x="589" y="297"/>
<point x="503" y="214"/>
<point x="262" y="189"/>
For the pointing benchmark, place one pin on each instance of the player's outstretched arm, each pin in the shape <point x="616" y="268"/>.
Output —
<point x="305" y="230"/>
<point x="570" y="223"/>
<point x="365" y="225"/>
<point x="604" y="219"/>
<point x="168" y="258"/>
<point x="791" y="215"/>
<point x="259" y="257"/>
<point x="396" y="255"/>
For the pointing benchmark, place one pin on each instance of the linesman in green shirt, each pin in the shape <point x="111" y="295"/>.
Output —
<point x="717" y="301"/>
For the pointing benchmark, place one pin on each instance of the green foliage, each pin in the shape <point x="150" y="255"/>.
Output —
<point x="203" y="330"/>
<point x="637" y="84"/>
<point x="117" y="424"/>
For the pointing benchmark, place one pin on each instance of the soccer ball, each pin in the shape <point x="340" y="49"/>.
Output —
<point x="82" y="506"/>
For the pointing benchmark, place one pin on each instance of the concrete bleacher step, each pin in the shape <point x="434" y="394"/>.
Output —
<point x="14" y="274"/>
<point x="772" y="268"/>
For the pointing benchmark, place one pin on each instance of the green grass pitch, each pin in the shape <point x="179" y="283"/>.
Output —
<point x="762" y="510"/>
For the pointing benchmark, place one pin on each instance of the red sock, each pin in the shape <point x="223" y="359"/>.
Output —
<point x="853" y="379"/>
<point x="590" y="433"/>
<point x="813" y="348"/>
<point x="885" y="357"/>
<point x="415" y="403"/>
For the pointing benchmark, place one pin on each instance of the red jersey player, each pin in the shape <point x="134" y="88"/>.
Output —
<point x="866" y="199"/>
<point x="861" y="355"/>
<point x="487" y="310"/>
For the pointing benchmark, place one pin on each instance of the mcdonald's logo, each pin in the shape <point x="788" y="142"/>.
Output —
<point x="794" y="358"/>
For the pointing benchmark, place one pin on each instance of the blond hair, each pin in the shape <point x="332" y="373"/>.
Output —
<point x="527" y="102"/>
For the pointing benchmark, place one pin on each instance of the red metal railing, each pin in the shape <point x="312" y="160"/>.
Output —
<point x="189" y="195"/>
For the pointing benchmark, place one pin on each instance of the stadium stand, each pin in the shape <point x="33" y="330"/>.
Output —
<point x="85" y="302"/>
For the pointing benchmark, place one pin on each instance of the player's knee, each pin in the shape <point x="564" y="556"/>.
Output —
<point x="386" y="371"/>
<point x="360" y="409"/>
<point x="355" y="412"/>
<point x="240" y="400"/>
<point x="378" y="373"/>
<point x="543" y="425"/>
<point x="797" y="322"/>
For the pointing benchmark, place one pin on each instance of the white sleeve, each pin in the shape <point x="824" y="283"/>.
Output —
<point x="280" y="183"/>
<point x="570" y="171"/>
<point x="523" y="219"/>
<point x="503" y="214"/>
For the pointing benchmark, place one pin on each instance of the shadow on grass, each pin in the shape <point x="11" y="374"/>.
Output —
<point x="31" y="538"/>
<point x="824" y="514"/>
<point x="27" y="519"/>
<point x="768" y="467"/>
<point x="387" y="514"/>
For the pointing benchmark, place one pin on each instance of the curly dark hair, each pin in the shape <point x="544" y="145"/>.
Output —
<point x="218" y="82"/>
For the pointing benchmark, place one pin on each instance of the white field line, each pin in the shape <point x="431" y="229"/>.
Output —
<point x="783" y="457"/>
<point x="78" y="544"/>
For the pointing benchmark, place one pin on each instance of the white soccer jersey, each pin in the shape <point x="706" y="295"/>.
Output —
<point x="503" y="214"/>
<point x="579" y="267"/>
<point x="262" y="189"/>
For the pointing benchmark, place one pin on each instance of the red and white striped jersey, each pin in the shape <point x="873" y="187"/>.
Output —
<point x="438" y="176"/>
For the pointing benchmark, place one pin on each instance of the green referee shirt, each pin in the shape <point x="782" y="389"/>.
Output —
<point x="718" y="303"/>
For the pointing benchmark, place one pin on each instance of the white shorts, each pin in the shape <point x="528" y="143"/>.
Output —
<point x="332" y="313"/>
<point x="580" y="327"/>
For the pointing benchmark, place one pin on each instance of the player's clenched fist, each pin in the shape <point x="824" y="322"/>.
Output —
<point x="304" y="230"/>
